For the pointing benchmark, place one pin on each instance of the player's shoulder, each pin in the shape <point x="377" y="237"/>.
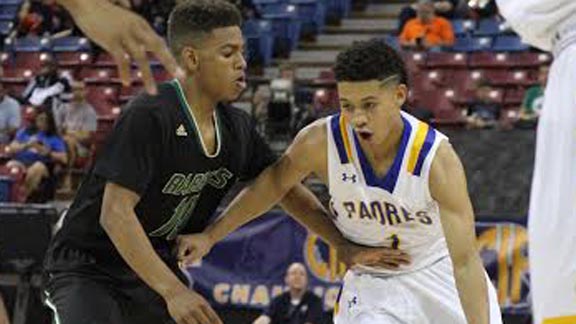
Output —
<point x="445" y="163"/>
<point x="144" y="104"/>
<point x="315" y="133"/>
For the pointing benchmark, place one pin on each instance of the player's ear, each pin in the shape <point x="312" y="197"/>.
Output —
<point x="189" y="58"/>
<point x="401" y="94"/>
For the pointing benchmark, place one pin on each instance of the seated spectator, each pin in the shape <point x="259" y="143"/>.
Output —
<point x="427" y="30"/>
<point x="38" y="149"/>
<point x="480" y="9"/>
<point x="483" y="111"/>
<point x="281" y="107"/>
<point x="443" y="8"/>
<point x="296" y="306"/>
<point x="534" y="99"/>
<point x="10" y="116"/>
<point x="47" y="88"/>
<point x="77" y="122"/>
<point x="42" y="18"/>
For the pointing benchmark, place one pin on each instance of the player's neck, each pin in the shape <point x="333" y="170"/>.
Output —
<point x="201" y="105"/>
<point x="297" y="294"/>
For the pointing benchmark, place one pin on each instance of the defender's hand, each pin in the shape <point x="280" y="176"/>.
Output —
<point x="187" y="307"/>
<point x="352" y="254"/>
<point x="193" y="247"/>
<point x="125" y="35"/>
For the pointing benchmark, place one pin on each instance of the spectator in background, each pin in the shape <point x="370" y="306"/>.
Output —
<point x="42" y="18"/>
<point x="480" y="9"/>
<point x="77" y="122"/>
<point x="281" y="107"/>
<point x="443" y="8"/>
<point x="296" y="306"/>
<point x="47" y="88"/>
<point x="427" y="30"/>
<point x="38" y="149"/>
<point x="533" y="100"/>
<point x="483" y="111"/>
<point x="10" y="116"/>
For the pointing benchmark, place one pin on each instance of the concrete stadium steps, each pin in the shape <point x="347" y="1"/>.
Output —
<point x="302" y="73"/>
<point x="363" y="26"/>
<point x="335" y="42"/>
<point x="313" y="57"/>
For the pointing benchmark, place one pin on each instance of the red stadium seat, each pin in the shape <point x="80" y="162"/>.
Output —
<point x="17" y="75"/>
<point x="513" y="97"/>
<point x="93" y="74"/>
<point x="30" y="60"/>
<point x="489" y="60"/>
<point x="104" y="59"/>
<point x="446" y="60"/>
<point x="528" y="59"/>
<point x="73" y="59"/>
<point x="415" y="61"/>
<point x="509" y="77"/>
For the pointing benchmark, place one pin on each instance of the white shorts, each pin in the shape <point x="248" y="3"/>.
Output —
<point x="552" y="217"/>
<point x="427" y="296"/>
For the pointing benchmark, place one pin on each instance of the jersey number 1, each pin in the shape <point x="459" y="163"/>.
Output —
<point x="395" y="241"/>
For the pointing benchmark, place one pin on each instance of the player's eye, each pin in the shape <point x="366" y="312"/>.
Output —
<point x="347" y="108"/>
<point x="369" y="105"/>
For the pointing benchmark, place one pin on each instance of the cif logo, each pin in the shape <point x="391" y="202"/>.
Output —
<point x="322" y="260"/>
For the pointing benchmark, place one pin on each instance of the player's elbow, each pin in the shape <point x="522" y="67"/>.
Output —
<point x="464" y="259"/>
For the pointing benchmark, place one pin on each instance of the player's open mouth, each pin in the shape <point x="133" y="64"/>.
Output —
<point x="364" y="134"/>
<point x="241" y="82"/>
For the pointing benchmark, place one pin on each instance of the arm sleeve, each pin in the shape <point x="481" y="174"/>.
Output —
<point x="260" y="156"/>
<point x="91" y="121"/>
<point x="405" y="34"/>
<point x="15" y="119"/>
<point x="447" y="32"/>
<point x="130" y="155"/>
<point x="57" y="144"/>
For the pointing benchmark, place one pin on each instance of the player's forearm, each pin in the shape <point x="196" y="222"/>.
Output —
<point x="304" y="207"/>
<point x="253" y="201"/>
<point x="472" y="289"/>
<point x="131" y="241"/>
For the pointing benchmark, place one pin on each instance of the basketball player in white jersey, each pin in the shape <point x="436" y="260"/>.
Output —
<point x="551" y="26"/>
<point x="394" y="181"/>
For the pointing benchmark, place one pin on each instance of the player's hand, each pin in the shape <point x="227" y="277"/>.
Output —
<point x="187" y="307"/>
<point x="125" y="35"/>
<point x="384" y="257"/>
<point x="192" y="247"/>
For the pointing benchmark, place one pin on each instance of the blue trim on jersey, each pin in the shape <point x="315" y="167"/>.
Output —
<point x="338" y="140"/>
<point x="426" y="147"/>
<point x="388" y="182"/>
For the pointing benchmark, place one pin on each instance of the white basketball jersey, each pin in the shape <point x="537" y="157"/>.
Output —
<point x="395" y="210"/>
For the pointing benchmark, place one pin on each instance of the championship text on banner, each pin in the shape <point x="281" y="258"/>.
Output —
<point x="248" y="268"/>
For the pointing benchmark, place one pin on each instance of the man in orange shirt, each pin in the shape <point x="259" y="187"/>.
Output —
<point x="427" y="30"/>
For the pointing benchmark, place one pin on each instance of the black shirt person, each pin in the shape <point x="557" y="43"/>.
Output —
<point x="165" y="167"/>
<point x="296" y="306"/>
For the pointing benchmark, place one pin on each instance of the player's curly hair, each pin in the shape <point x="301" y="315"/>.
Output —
<point x="370" y="60"/>
<point x="193" y="19"/>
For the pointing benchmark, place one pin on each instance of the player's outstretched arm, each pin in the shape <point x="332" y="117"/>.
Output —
<point x="124" y="35"/>
<point x="448" y="188"/>
<point x="271" y="185"/>
<point x="122" y="226"/>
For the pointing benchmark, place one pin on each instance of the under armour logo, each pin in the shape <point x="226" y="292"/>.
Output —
<point x="352" y="302"/>
<point x="346" y="177"/>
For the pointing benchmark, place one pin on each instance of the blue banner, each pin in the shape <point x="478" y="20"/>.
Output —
<point x="247" y="269"/>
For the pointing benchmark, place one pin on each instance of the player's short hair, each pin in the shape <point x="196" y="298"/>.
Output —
<point x="370" y="60"/>
<point x="193" y="19"/>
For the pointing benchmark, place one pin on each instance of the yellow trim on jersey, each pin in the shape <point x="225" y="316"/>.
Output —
<point x="346" y="139"/>
<point x="560" y="320"/>
<point x="417" y="145"/>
